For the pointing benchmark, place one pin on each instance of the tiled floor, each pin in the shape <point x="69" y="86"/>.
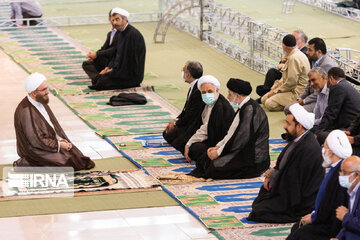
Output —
<point x="147" y="223"/>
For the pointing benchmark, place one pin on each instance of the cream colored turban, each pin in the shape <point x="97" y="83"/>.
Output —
<point x="120" y="11"/>
<point x="33" y="81"/>
<point x="339" y="144"/>
<point x="304" y="117"/>
<point x="208" y="79"/>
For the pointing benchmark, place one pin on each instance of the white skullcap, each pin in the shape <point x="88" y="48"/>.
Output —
<point x="339" y="144"/>
<point x="120" y="11"/>
<point x="208" y="79"/>
<point x="33" y="81"/>
<point x="304" y="117"/>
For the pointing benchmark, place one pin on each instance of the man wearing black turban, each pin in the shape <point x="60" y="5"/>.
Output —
<point x="244" y="151"/>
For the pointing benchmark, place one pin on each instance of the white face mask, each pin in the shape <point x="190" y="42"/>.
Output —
<point x="345" y="182"/>
<point x="234" y="104"/>
<point x="327" y="160"/>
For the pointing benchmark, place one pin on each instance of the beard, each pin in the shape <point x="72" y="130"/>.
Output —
<point x="290" y="136"/>
<point x="42" y="99"/>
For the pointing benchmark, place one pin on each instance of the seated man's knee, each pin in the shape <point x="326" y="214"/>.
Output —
<point x="271" y="105"/>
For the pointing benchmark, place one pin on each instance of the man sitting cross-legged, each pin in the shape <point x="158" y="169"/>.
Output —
<point x="244" y="151"/>
<point x="322" y="222"/>
<point x="290" y="188"/>
<point x="216" y="118"/>
<point x="40" y="139"/>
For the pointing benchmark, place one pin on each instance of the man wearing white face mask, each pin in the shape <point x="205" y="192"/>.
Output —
<point x="216" y="119"/>
<point x="322" y="222"/>
<point x="244" y="151"/>
<point x="180" y="130"/>
<point x="350" y="217"/>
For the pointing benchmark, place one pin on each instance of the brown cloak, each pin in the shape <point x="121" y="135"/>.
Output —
<point x="36" y="140"/>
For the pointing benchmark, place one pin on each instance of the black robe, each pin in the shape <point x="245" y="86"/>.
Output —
<point x="294" y="191"/>
<point x="188" y="121"/>
<point x="103" y="57"/>
<point x="246" y="154"/>
<point x="127" y="65"/>
<point x="326" y="225"/>
<point x="37" y="144"/>
<point x="354" y="130"/>
<point x="220" y="120"/>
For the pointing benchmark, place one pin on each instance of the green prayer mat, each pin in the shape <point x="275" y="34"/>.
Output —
<point x="87" y="203"/>
<point x="108" y="132"/>
<point x="221" y="222"/>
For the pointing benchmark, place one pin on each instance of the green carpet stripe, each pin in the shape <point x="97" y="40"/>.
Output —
<point x="56" y="53"/>
<point x="129" y="200"/>
<point x="41" y="44"/>
<point x="63" y="57"/>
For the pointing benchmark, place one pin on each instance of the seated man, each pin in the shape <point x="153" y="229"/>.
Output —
<point x="180" y="130"/>
<point x="294" y="78"/>
<point x="39" y="137"/>
<point x="350" y="178"/>
<point x="275" y="73"/>
<point x="316" y="53"/>
<point x="244" y="151"/>
<point x="216" y="120"/>
<point x="322" y="222"/>
<point x="290" y="188"/>
<point x="343" y="105"/>
<point x="26" y="9"/>
<point x="97" y="61"/>
<point x="353" y="133"/>
<point x="126" y="68"/>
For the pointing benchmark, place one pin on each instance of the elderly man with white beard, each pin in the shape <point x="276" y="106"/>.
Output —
<point x="322" y="222"/>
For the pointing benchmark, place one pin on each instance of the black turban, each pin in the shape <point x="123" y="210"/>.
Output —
<point x="239" y="86"/>
<point x="289" y="40"/>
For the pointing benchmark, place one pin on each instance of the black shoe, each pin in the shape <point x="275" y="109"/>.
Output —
<point x="92" y="87"/>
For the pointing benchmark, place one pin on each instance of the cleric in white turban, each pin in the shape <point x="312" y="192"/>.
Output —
<point x="290" y="188"/>
<point x="243" y="149"/>
<point x="216" y="119"/>
<point x="125" y="68"/>
<point x="39" y="137"/>
<point x="321" y="223"/>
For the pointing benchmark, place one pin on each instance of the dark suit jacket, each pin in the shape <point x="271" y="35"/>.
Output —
<point x="191" y="113"/>
<point x="351" y="222"/>
<point x="108" y="50"/>
<point x="343" y="107"/>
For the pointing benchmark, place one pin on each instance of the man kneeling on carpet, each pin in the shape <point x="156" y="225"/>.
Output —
<point x="39" y="137"/>
<point x="216" y="119"/>
<point x="290" y="188"/>
<point x="322" y="222"/>
<point x="244" y="151"/>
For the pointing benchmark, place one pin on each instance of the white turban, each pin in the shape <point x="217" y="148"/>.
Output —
<point x="304" y="117"/>
<point x="339" y="144"/>
<point x="208" y="79"/>
<point x="33" y="81"/>
<point x="120" y="11"/>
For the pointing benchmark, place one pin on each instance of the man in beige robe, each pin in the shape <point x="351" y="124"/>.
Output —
<point x="39" y="137"/>
<point x="294" y="78"/>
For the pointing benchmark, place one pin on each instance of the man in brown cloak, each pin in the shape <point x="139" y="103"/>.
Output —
<point x="39" y="137"/>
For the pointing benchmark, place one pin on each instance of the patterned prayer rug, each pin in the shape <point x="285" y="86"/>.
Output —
<point x="90" y="181"/>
